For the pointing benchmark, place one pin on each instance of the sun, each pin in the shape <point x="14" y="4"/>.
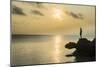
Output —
<point x="57" y="14"/>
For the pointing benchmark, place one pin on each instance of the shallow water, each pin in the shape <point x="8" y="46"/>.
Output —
<point x="40" y="49"/>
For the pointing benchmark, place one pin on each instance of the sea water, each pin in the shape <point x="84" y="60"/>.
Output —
<point x="41" y="49"/>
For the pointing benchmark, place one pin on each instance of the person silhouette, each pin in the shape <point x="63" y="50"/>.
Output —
<point x="80" y="32"/>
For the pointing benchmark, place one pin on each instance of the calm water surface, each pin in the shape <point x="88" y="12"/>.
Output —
<point x="40" y="49"/>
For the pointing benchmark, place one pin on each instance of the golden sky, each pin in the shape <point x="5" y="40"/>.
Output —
<point x="31" y="18"/>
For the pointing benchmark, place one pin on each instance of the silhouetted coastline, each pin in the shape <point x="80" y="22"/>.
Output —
<point x="85" y="50"/>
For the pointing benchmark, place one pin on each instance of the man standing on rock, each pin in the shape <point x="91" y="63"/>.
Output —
<point x="80" y="32"/>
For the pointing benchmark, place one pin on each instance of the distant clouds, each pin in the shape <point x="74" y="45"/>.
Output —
<point x="17" y="10"/>
<point x="75" y="15"/>
<point x="38" y="4"/>
<point x="36" y="12"/>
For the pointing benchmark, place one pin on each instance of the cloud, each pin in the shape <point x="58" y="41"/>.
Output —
<point x="36" y="12"/>
<point x="17" y="10"/>
<point x="75" y="15"/>
<point x="38" y="4"/>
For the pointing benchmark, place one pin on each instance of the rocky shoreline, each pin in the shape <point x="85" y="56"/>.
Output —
<point x="85" y="50"/>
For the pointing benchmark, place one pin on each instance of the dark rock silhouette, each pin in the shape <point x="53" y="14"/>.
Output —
<point x="85" y="50"/>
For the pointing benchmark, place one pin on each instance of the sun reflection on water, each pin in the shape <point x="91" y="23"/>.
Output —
<point x="57" y="43"/>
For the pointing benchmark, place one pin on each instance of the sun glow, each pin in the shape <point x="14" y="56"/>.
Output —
<point x="57" y="14"/>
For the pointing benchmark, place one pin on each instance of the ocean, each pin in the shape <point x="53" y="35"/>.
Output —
<point x="41" y="49"/>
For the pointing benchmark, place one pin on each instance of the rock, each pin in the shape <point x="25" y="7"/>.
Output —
<point x="85" y="50"/>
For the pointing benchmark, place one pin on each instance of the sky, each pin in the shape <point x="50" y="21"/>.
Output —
<point x="34" y="18"/>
